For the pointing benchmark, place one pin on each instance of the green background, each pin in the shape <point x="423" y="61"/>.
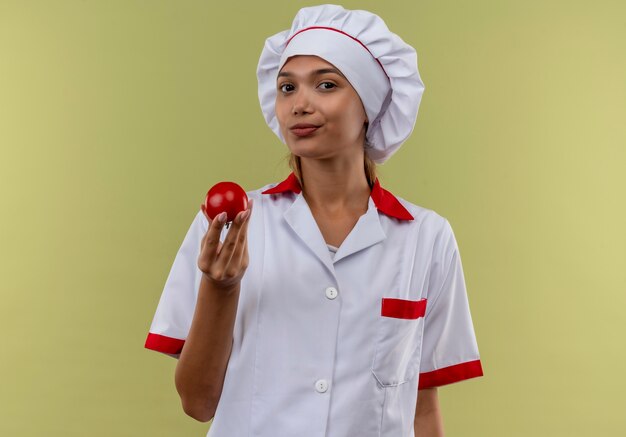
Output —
<point x="117" y="116"/>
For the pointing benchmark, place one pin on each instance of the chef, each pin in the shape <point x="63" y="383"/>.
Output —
<point x="331" y="305"/>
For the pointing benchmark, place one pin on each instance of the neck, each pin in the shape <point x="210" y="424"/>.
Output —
<point x="333" y="187"/>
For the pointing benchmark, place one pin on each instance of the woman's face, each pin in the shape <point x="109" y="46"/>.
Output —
<point x="313" y="91"/>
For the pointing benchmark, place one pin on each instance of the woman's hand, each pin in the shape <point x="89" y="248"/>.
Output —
<point x="225" y="264"/>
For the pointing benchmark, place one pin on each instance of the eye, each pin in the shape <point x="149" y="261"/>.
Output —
<point x="281" y="87"/>
<point x="332" y="85"/>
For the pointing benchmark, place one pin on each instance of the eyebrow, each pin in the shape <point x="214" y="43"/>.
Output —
<point x="314" y="73"/>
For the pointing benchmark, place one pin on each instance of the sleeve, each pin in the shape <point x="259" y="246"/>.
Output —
<point x="449" y="348"/>
<point x="174" y="313"/>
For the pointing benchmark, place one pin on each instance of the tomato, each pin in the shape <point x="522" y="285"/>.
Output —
<point x="225" y="196"/>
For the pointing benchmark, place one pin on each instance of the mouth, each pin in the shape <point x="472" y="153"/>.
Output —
<point x="303" y="130"/>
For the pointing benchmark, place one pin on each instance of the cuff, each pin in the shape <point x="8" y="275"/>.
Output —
<point x="161" y="343"/>
<point x="450" y="374"/>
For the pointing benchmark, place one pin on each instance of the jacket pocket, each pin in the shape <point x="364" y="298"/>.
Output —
<point x="398" y="340"/>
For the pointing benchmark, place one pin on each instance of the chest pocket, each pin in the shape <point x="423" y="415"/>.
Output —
<point x="398" y="340"/>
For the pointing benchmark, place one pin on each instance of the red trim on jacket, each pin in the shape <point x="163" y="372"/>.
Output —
<point x="386" y="202"/>
<point x="161" y="343"/>
<point x="450" y="374"/>
<point x="403" y="308"/>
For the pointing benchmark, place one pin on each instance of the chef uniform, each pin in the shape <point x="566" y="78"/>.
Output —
<point x="335" y="342"/>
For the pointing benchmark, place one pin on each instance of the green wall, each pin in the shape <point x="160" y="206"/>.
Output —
<point x="117" y="116"/>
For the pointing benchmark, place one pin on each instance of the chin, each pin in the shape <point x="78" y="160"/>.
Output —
<point x="303" y="148"/>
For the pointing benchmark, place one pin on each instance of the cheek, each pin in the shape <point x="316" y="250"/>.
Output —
<point x="279" y="111"/>
<point x="350" y="115"/>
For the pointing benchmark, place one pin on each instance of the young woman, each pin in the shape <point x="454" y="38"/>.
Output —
<point x="331" y="307"/>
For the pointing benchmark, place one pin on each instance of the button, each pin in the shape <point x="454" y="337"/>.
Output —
<point x="321" y="386"/>
<point x="331" y="292"/>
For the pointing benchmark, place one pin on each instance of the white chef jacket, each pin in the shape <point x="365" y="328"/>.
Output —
<point x="331" y="346"/>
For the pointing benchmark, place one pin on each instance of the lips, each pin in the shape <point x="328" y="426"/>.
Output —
<point x="303" y="130"/>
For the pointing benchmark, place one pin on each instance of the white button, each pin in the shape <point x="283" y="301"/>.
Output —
<point x="331" y="292"/>
<point x="321" y="385"/>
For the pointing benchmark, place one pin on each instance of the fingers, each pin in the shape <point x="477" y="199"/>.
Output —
<point x="234" y="243"/>
<point x="211" y="241"/>
<point x="242" y="260"/>
<point x="236" y="265"/>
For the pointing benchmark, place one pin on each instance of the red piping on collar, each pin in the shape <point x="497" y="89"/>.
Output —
<point x="385" y="202"/>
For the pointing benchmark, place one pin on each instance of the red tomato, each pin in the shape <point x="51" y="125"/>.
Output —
<point x="225" y="196"/>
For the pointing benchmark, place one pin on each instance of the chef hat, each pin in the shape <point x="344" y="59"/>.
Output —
<point x="379" y="65"/>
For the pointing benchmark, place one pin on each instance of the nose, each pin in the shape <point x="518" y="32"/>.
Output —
<point x="301" y="103"/>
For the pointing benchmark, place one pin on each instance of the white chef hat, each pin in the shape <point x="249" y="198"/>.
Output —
<point x="379" y="65"/>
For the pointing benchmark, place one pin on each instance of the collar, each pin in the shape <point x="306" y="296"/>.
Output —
<point x="385" y="202"/>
